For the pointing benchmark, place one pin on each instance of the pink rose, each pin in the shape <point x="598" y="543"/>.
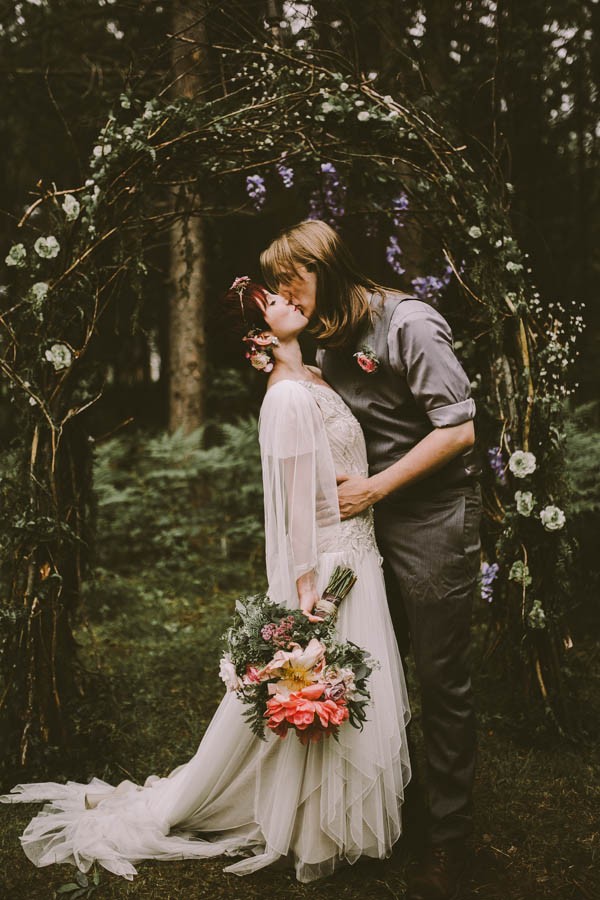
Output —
<point x="335" y="692"/>
<point x="367" y="361"/>
<point x="252" y="675"/>
<point x="261" y="361"/>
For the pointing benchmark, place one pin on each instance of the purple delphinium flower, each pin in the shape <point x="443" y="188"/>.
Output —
<point x="256" y="190"/>
<point x="328" y="202"/>
<point x="393" y="253"/>
<point x="489" y="572"/>
<point x="334" y="191"/>
<point x="399" y="205"/>
<point x="427" y="287"/>
<point x="315" y="206"/>
<point x="497" y="465"/>
<point x="286" y="174"/>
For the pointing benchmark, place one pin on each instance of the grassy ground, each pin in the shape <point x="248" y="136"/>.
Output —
<point x="155" y="645"/>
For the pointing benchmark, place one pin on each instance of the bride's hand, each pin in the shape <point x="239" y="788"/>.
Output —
<point x="308" y="601"/>
<point x="308" y="595"/>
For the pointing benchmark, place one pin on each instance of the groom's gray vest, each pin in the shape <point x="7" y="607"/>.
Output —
<point x="393" y="419"/>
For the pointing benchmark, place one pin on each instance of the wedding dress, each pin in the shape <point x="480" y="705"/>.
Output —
<point x="316" y="805"/>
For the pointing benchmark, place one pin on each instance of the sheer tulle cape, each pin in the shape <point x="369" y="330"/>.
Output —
<point x="299" y="486"/>
<point x="316" y="805"/>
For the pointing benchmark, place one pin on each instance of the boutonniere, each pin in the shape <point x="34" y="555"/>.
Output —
<point x="367" y="360"/>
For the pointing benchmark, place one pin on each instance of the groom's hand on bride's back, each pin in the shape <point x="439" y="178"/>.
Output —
<point x="354" y="495"/>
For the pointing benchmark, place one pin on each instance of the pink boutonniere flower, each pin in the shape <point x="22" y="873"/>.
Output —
<point x="367" y="360"/>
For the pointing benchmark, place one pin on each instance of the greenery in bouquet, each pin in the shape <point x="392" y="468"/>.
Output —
<point x="292" y="673"/>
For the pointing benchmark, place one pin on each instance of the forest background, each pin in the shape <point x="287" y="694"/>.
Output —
<point x="178" y="516"/>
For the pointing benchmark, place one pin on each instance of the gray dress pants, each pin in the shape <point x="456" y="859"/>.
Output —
<point x="431" y="552"/>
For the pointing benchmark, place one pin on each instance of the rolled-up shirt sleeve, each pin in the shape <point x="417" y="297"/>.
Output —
<point x="420" y="344"/>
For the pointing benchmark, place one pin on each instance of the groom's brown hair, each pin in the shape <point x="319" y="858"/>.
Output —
<point x="342" y="289"/>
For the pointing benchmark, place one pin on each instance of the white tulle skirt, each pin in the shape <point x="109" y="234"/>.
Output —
<point x="317" y="805"/>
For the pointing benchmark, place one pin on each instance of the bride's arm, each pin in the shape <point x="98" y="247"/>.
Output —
<point x="298" y="474"/>
<point x="300" y="497"/>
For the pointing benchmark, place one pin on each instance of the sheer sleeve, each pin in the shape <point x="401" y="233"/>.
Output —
<point x="300" y="493"/>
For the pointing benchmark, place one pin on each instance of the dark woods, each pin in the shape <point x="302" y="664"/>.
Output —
<point x="453" y="144"/>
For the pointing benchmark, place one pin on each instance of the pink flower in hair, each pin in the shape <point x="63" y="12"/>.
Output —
<point x="240" y="283"/>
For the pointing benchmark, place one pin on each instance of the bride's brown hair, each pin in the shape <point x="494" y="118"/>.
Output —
<point x="342" y="289"/>
<point x="242" y="308"/>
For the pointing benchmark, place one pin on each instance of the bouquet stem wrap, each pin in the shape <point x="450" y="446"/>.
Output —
<point x="338" y="587"/>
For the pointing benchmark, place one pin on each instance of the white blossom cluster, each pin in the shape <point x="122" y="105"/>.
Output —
<point x="519" y="572"/>
<point x="60" y="356"/>
<point x="521" y="464"/>
<point x="536" y="616"/>
<point x="71" y="207"/>
<point x="563" y="328"/>
<point x="525" y="502"/>
<point x="45" y="247"/>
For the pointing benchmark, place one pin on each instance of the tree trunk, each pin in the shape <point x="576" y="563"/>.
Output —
<point x="187" y="357"/>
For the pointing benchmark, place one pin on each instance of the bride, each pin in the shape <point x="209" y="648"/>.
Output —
<point x="315" y="806"/>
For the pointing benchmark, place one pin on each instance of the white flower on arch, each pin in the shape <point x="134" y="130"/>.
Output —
<point x="522" y="463"/>
<point x="47" y="247"/>
<point x="60" y="356"/>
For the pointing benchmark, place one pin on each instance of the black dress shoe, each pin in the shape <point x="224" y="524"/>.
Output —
<point x="438" y="877"/>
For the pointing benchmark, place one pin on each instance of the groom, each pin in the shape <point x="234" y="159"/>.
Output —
<point x="391" y="359"/>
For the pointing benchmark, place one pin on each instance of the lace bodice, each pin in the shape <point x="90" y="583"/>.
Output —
<point x="349" y="452"/>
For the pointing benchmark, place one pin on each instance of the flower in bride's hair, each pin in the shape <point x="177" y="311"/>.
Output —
<point x="240" y="283"/>
<point x="260" y="361"/>
<point x="260" y="354"/>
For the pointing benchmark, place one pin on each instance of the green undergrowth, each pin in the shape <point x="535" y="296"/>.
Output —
<point x="149" y="636"/>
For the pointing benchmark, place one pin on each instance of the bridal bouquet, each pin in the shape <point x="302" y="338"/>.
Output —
<point x="292" y="673"/>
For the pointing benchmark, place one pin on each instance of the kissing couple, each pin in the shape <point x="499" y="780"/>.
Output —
<point x="368" y="462"/>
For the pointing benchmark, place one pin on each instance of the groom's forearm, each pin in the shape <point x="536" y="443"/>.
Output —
<point x="431" y="453"/>
<point x="356" y="493"/>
